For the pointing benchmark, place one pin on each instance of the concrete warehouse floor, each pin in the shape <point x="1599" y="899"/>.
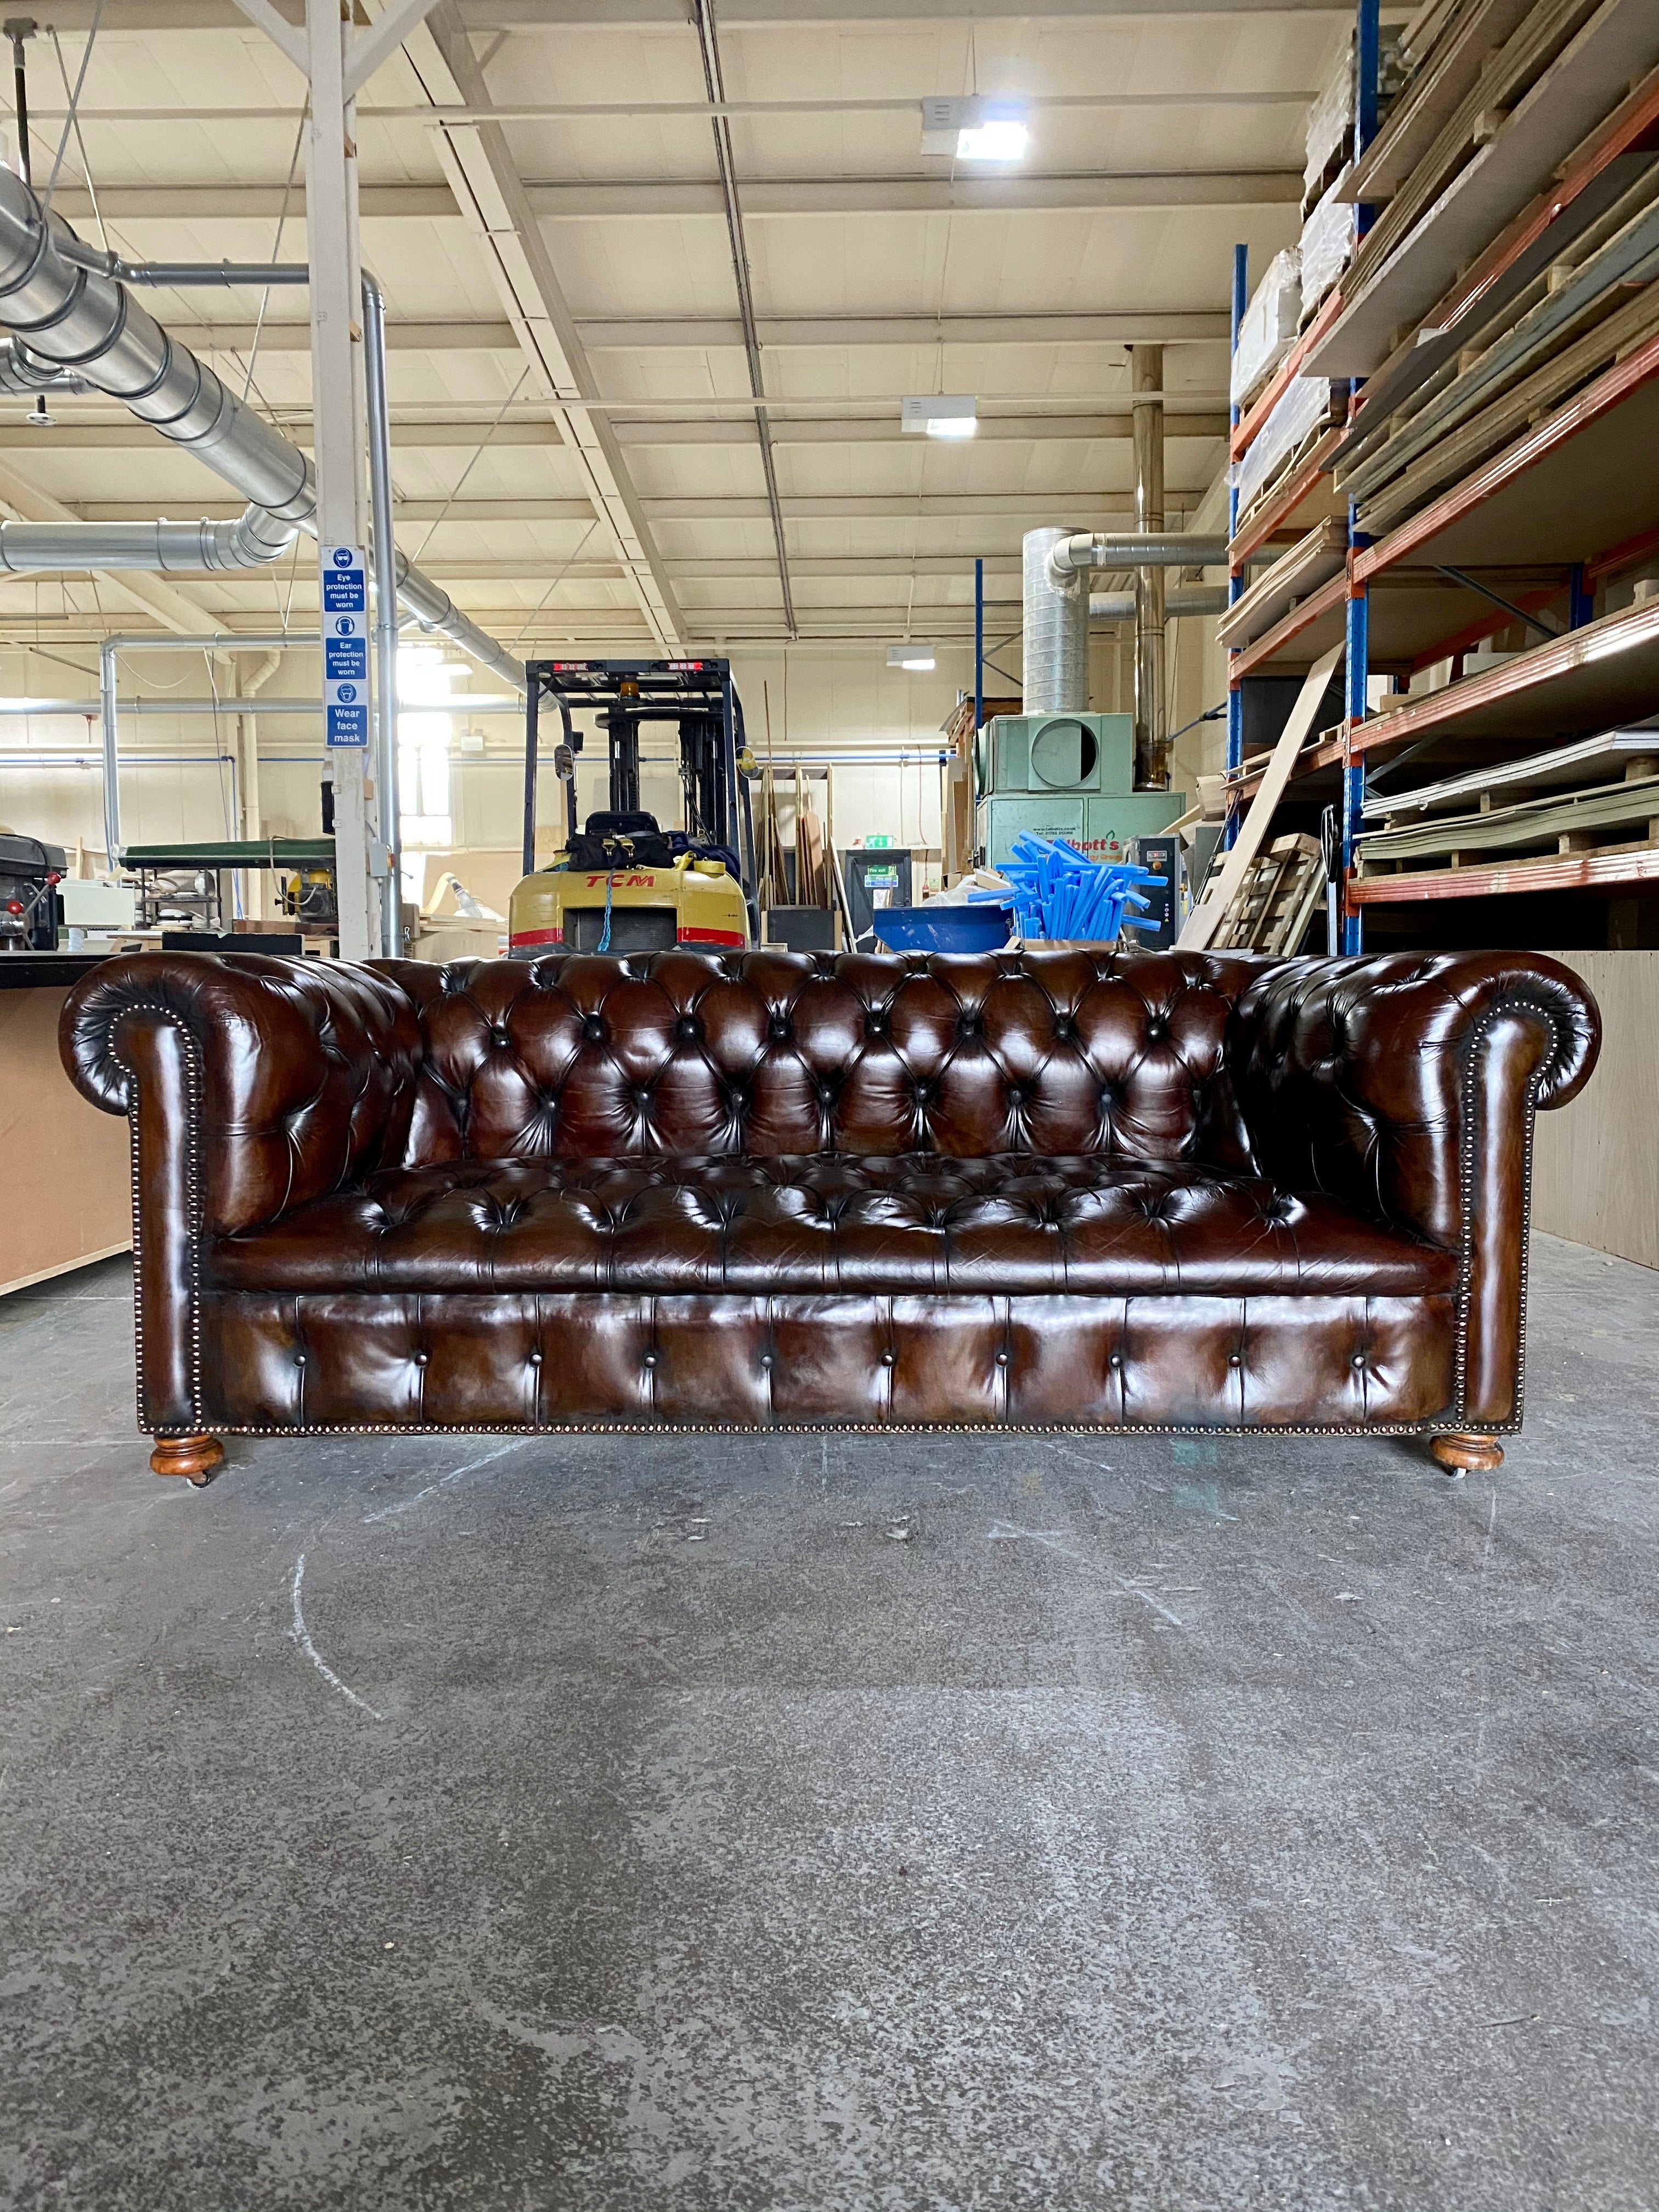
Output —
<point x="892" y="1824"/>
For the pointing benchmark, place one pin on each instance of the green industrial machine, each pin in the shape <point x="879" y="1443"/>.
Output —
<point x="1065" y="775"/>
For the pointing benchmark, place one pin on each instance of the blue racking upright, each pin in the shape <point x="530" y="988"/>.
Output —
<point x="1367" y="65"/>
<point x="1235" y="584"/>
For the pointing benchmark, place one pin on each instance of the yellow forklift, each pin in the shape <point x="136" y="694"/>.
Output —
<point x="621" y="883"/>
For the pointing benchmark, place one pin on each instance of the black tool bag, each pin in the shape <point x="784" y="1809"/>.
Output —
<point x="623" y="841"/>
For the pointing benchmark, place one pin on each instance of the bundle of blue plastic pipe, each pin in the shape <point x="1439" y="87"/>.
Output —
<point x="1059" y="892"/>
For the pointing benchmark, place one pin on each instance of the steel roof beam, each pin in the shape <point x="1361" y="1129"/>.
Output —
<point x="490" y="194"/>
<point x="562" y="200"/>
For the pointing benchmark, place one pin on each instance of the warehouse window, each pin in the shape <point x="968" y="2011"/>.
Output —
<point x="424" y="732"/>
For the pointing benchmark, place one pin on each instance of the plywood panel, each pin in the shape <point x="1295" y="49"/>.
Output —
<point x="1595" y="1164"/>
<point x="65" y="1179"/>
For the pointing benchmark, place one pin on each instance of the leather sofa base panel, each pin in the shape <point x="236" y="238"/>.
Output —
<point x="282" y="1365"/>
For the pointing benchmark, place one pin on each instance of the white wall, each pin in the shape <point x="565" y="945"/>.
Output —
<point x="818" y="700"/>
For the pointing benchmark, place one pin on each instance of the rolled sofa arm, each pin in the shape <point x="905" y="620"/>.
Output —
<point x="1406" y="1085"/>
<point x="252" y="1084"/>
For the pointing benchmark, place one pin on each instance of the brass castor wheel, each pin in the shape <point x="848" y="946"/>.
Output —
<point x="1463" y="1453"/>
<point x="199" y="1458"/>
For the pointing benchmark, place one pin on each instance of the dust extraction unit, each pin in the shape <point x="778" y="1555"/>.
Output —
<point x="1057" y="770"/>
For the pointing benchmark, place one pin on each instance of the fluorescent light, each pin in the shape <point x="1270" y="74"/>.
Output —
<point x="998" y="140"/>
<point x="975" y="128"/>
<point x="916" y="658"/>
<point x="941" y="415"/>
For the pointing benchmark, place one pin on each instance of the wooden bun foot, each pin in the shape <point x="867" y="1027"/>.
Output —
<point x="199" y="1458"/>
<point x="1463" y="1453"/>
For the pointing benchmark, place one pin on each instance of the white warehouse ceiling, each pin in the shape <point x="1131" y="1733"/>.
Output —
<point x="577" y="455"/>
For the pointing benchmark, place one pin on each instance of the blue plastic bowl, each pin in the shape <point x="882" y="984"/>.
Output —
<point x="942" y="928"/>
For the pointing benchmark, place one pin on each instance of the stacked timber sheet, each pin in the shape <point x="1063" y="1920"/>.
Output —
<point x="1592" y="304"/>
<point x="1531" y="82"/>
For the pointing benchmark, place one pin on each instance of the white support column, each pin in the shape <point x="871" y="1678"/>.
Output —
<point x="340" y="435"/>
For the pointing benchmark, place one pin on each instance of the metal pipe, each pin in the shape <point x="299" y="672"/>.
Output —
<point x="87" y="321"/>
<point x="255" y="273"/>
<point x="26" y="379"/>
<point x="229" y="702"/>
<point x="255" y="539"/>
<point x="1055" y="679"/>
<point x="107" y="653"/>
<point x="1161" y="549"/>
<point x="386" y="611"/>
<point x="17" y="28"/>
<point x="1152" y="752"/>
<point x="1184" y="599"/>
<point x="979" y="648"/>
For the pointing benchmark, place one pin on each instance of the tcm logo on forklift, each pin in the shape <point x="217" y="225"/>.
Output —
<point x="623" y="883"/>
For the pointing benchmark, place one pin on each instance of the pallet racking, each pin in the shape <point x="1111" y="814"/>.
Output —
<point x="1530" y="507"/>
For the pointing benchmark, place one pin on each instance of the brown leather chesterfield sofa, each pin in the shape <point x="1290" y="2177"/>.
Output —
<point x="1051" y="1190"/>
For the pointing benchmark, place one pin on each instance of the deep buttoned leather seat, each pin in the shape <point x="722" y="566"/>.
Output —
<point x="904" y="1222"/>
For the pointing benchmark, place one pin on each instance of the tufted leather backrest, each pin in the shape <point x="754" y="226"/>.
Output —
<point x="769" y="1054"/>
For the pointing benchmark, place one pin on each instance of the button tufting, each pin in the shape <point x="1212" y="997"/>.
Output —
<point x="535" y="1359"/>
<point x="1002" y="1360"/>
<point x="888" y="1359"/>
<point x="421" y="1358"/>
<point x="650" y="1360"/>
<point x="688" y="1026"/>
<point x="1358" y="1359"/>
<point x="1235" y="1359"/>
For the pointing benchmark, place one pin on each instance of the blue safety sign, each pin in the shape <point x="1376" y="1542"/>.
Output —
<point x="345" y="644"/>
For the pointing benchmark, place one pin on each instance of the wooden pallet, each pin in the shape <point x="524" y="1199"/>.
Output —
<point x="1276" y="900"/>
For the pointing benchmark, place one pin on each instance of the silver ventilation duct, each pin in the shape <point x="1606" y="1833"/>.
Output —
<point x="21" y="378"/>
<point x="1057" y="607"/>
<point x="77" y="318"/>
<point x="1056" y="614"/>
<point x="1164" y="549"/>
<point x="161" y="549"/>
<point x="1183" y="599"/>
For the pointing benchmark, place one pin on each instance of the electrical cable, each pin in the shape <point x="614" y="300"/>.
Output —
<point x="275" y="246"/>
<point x="477" y="453"/>
<point x="74" y="107"/>
<point x="74" y="117"/>
<point x="558" y="579"/>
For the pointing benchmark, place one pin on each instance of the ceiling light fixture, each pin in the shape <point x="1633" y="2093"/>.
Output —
<point x="941" y="415"/>
<point x="974" y="128"/>
<point x="916" y="658"/>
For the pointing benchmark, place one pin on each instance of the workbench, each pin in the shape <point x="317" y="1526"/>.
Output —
<point x="65" y="1194"/>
